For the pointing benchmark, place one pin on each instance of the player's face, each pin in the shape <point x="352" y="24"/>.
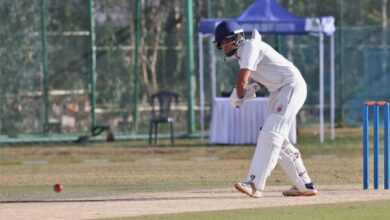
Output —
<point x="228" y="45"/>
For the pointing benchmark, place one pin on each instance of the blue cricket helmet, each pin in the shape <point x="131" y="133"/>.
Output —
<point x="227" y="29"/>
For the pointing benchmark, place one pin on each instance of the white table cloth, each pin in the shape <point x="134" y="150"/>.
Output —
<point x="240" y="126"/>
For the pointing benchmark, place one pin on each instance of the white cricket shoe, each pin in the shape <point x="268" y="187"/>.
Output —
<point x="248" y="188"/>
<point x="309" y="191"/>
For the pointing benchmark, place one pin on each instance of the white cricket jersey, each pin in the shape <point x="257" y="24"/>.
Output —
<point x="268" y="67"/>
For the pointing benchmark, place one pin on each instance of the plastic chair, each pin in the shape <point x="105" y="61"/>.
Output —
<point x="162" y="114"/>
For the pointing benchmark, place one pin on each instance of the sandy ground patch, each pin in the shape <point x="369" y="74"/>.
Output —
<point x="138" y="204"/>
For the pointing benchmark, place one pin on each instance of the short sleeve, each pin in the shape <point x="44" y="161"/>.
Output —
<point x="251" y="55"/>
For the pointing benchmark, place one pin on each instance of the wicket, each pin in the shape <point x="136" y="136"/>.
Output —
<point x="366" y="143"/>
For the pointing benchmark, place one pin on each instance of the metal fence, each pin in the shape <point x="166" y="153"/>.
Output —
<point x="46" y="82"/>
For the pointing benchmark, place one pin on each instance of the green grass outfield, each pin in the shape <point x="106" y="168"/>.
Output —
<point x="90" y="170"/>
<point x="123" y="167"/>
<point x="378" y="210"/>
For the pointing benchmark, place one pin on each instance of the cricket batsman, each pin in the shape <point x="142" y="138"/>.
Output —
<point x="260" y="62"/>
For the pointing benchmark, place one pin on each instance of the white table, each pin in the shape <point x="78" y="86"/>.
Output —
<point x="240" y="126"/>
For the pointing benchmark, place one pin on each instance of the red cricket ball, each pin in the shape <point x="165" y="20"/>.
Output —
<point x="58" y="187"/>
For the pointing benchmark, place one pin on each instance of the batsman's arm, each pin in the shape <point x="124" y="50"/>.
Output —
<point x="242" y="81"/>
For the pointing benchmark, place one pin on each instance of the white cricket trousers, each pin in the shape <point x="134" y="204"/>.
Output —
<point x="286" y="103"/>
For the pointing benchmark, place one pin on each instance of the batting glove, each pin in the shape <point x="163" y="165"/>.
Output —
<point x="251" y="89"/>
<point x="234" y="100"/>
